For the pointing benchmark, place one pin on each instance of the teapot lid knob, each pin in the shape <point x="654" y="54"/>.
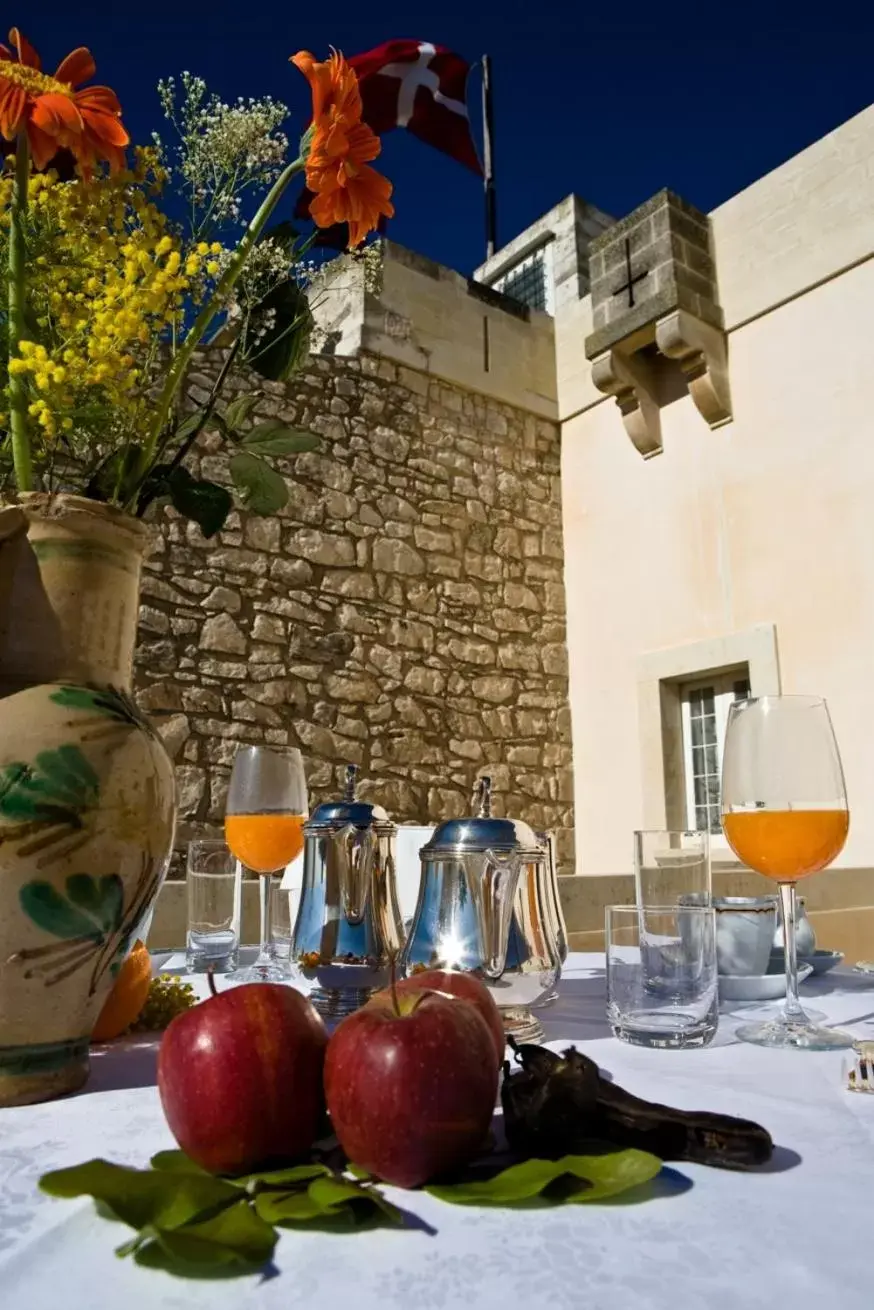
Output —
<point x="351" y="777"/>
<point x="483" y="797"/>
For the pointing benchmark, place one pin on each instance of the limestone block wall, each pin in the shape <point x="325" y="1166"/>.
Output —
<point x="405" y="611"/>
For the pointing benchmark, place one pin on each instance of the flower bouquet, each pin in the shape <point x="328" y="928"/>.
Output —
<point x="122" y="265"/>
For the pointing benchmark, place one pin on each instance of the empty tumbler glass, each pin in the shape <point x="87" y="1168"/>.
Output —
<point x="662" y="985"/>
<point x="214" y="898"/>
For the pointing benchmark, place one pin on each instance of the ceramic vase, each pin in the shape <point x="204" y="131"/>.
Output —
<point x="87" y="798"/>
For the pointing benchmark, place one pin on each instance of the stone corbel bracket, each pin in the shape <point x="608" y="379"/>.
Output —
<point x="658" y="328"/>
<point x="701" y="351"/>
<point x="631" y="379"/>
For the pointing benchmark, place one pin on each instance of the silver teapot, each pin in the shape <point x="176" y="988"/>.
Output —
<point x="348" y="926"/>
<point x="481" y="908"/>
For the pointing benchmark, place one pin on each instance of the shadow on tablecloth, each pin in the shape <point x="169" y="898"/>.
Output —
<point x="125" y="1063"/>
<point x="580" y="1013"/>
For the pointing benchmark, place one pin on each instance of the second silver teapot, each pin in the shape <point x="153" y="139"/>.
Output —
<point x="482" y="909"/>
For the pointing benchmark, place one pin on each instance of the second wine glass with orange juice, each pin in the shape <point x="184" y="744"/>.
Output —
<point x="266" y="811"/>
<point x="785" y="815"/>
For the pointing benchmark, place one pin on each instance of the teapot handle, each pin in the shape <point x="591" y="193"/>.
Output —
<point x="356" y="851"/>
<point x="495" y="907"/>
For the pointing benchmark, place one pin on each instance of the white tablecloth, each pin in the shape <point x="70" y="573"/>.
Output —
<point x="796" y="1233"/>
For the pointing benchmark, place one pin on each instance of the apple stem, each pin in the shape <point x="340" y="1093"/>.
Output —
<point x="210" y="978"/>
<point x="393" y="982"/>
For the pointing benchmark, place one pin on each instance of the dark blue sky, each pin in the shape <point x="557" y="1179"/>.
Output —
<point x="612" y="101"/>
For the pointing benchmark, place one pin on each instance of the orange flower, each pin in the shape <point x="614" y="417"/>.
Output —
<point x="338" y="172"/>
<point x="53" y="113"/>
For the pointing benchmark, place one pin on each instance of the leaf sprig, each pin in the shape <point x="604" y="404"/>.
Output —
<point x="194" y="1224"/>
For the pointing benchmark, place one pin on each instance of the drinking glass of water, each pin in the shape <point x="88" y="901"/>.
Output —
<point x="214" y="878"/>
<point x="662" y="986"/>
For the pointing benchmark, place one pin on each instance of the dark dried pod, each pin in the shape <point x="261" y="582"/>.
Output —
<point x="560" y="1104"/>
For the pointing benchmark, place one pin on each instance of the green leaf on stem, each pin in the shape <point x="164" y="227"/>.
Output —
<point x="237" y="412"/>
<point x="205" y="502"/>
<point x="261" y="488"/>
<point x="117" y="478"/>
<point x="280" y="324"/>
<point x="574" y="1179"/>
<point x="143" y="1197"/>
<point x="277" y="439"/>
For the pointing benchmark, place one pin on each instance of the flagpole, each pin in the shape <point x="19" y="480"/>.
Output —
<point x="488" y="166"/>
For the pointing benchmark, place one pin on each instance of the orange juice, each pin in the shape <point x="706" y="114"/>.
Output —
<point x="786" y="844"/>
<point x="265" y="842"/>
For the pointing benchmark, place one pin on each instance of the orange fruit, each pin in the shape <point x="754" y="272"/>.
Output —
<point x="128" y="996"/>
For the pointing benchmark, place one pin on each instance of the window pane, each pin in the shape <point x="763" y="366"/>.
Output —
<point x="741" y="689"/>
<point x="709" y="726"/>
<point x="698" y="760"/>
<point x="712" y="760"/>
<point x="700" y="792"/>
<point x="697" y="732"/>
<point x="707" y="699"/>
<point x="527" y="283"/>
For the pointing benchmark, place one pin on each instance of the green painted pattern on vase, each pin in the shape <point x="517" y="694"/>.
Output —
<point x="42" y="1057"/>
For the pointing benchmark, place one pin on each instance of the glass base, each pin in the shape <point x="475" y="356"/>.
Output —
<point x="269" y="971"/>
<point x="672" y="1032"/>
<point x="800" y="1034"/>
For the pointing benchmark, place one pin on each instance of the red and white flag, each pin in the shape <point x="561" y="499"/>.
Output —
<point x="421" y="87"/>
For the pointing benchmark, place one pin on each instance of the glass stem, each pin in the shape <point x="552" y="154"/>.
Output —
<point x="792" y="1010"/>
<point x="265" y="955"/>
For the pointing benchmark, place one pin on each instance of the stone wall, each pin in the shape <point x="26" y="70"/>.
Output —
<point x="404" y="612"/>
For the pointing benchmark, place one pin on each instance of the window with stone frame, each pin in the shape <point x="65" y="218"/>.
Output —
<point x="704" y="707"/>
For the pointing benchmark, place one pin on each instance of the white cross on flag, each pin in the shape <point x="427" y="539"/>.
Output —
<point x="421" y="87"/>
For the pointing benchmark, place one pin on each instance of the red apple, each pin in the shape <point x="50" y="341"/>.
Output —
<point x="411" y="1085"/>
<point x="240" y="1077"/>
<point x="464" y="985"/>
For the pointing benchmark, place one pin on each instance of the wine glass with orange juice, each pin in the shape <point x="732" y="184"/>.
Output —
<point x="785" y="814"/>
<point x="266" y="811"/>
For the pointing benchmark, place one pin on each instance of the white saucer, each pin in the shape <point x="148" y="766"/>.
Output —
<point x="770" y="986"/>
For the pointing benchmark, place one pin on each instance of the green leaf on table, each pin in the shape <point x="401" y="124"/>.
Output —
<point x="296" y="1173"/>
<point x="143" y="1197"/>
<point x="573" y="1178"/>
<point x="328" y="1199"/>
<point x="238" y="411"/>
<point x="176" y="1162"/>
<point x="234" y="1240"/>
<point x="279" y="1207"/>
<point x="278" y="439"/>
<point x="335" y="1193"/>
<point x="261" y="488"/>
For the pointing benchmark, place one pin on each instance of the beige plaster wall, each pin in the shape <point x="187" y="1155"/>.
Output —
<point x="765" y="521"/>
<point x="802" y="223"/>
